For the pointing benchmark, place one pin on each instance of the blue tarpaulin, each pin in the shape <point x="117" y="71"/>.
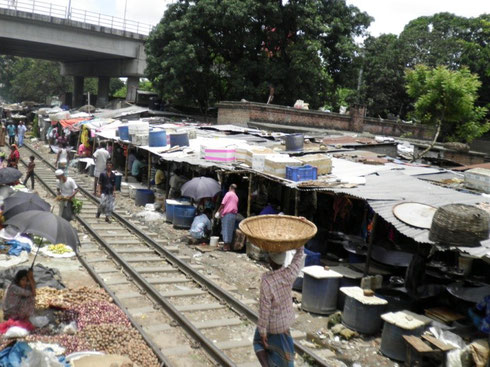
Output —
<point x="17" y="247"/>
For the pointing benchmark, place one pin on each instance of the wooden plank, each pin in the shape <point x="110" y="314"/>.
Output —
<point x="444" y="314"/>
<point x="439" y="344"/>
<point x="417" y="344"/>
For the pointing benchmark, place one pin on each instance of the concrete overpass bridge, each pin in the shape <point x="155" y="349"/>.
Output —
<point x="86" y="44"/>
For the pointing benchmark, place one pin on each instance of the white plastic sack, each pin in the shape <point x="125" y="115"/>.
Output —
<point x="149" y="216"/>
<point x="41" y="359"/>
<point x="16" y="332"/>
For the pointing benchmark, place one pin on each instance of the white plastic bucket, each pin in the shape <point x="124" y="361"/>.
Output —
<point x="213" y="241"/>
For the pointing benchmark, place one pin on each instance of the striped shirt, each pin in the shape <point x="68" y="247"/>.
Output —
<point x="276" y="314"/>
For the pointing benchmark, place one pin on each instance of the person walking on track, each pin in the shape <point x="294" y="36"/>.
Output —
<point x="106" y="191"/>
<point x="272" y="342"/>
<point x="67" y="189"/>
<point x="30" y="172"/>
<point x="21" y="131"/>
<point x="101" y="156"/>
<point x="11" y="130"/>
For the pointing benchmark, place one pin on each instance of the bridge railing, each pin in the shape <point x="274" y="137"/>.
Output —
<point x="79" y="15"/>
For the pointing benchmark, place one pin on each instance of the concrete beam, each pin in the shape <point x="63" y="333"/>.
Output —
<point x="108" y="68"/>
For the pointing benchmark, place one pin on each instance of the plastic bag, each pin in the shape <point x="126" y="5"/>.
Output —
<point x="39" y="321"/>
<point x="299" y="104"/>
<point x="37" y="358"/>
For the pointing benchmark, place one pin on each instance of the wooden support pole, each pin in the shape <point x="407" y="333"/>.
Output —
<point x="296" y="202"/>
<point x="167" y="181"/>
<point x="78" y="140"/>
<point x="249" y="200"/>
<point x="149" y="169"/>
<point x="370" y="245"/>
<point x="126" y="165"/>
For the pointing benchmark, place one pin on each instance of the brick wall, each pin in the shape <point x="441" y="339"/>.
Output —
<point x="240" y="113"/>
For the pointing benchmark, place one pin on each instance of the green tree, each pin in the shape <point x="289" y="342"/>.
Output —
<point x="450" y="40"/>
<point x="210" y="50"/>
<point x="35" y="80"/>
<point x="114" y="85"/>
<point x="6" y="76"/>
<point x="446" y="98"/>
<point x="383" y="77"/>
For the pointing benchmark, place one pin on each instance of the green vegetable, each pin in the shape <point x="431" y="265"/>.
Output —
<point x="77" y="206"/>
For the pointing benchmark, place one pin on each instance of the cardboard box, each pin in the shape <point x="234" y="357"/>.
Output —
<point x="478" y="179"/>
<point x="276" y="164"/>
<point x="320" y="161"/>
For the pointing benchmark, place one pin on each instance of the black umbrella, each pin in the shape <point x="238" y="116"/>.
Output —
<point x="47" y="225"/>
<point x="20" y="202"/>
<point x="9" y="175"/>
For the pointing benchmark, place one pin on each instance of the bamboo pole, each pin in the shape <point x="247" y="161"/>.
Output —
<point x="149" y="169"/>
<point x="126" y="164"/>
<point x="296" y="202"/>
<point x="249" y="199"/>
<point x="370" y="245"/>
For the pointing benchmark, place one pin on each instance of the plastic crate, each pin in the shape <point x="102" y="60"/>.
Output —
<point x="301" y="173"/>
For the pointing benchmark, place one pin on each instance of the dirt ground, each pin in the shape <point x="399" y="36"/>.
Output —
<point x="237" y="270"/>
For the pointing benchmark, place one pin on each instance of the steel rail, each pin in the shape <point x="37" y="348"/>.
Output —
<point x="217" y="354"/>
<point x="213" y="288"/>
<point x="163" y="359"/>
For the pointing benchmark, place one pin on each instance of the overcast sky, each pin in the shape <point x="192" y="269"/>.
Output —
<point x="390" y="16"/>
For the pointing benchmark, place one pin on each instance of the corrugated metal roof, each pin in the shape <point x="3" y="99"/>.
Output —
<point x="387" y="189"/>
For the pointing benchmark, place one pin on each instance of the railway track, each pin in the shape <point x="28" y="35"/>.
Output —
<point x="183" y="315"/>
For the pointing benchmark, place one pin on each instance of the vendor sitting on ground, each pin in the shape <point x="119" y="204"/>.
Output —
<point x="19" y="300"/>
<point x="201" y="226"/>
<point x="270" y="209"/>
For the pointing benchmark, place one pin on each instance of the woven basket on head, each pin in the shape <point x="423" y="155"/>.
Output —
<point x="278" y="233"/>
<point x="459" y="225"/>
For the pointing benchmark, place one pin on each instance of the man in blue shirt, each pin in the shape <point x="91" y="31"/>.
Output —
<point x="137" y="169"/>
<point x="201" y="225"/>
<point x="11" y="130"/>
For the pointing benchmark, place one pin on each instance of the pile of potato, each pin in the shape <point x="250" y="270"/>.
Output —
<point x="118" y="339"/>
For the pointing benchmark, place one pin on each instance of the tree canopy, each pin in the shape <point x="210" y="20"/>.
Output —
<point x="24" y="79"/>
<point x="210" y="50"/>
<point x="440" y="40"/>
<point x="446" y="98"/>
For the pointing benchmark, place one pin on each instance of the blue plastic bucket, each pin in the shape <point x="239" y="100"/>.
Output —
<point x="123" y="132"/>
<point x="143" y="197"/>
<point x="157" y="138"/>
<point x="169" y="209"/>
<point x="183" y="216"/>
<point x="118" y="181"/>
<point x="180" y="139"/>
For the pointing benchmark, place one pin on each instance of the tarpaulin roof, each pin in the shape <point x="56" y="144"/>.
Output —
<point x="72" y="123"/>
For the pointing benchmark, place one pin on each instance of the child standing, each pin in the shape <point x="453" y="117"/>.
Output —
<point x="30" y="171"/>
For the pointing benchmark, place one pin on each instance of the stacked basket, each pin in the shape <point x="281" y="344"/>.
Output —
<point x="459" y="225"/>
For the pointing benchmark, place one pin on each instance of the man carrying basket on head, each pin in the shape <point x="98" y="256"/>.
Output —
<point x="273" y="343"/>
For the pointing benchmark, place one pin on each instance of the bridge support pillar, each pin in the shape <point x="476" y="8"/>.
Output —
<point x="132" y="85"/>
<point x="103" y="91"/>
<point x="77" y="91"/>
